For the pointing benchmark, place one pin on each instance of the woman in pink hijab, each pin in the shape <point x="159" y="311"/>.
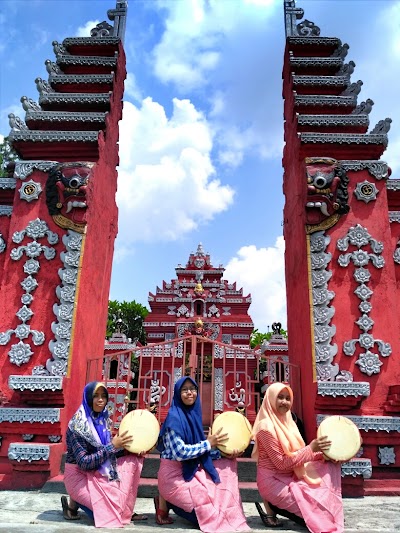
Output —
<point x="293" y="479"/>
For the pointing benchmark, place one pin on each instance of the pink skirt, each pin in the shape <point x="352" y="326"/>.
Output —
<point x="218" y="506"/>
<point x="112" y="502"/>
<point x="321" y="506"/>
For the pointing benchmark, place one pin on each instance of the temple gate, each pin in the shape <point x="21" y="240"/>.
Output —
<point x="58" y="223"/>
<point x="342" y="263"/>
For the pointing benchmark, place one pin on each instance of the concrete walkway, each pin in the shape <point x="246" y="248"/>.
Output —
<point x="34" y="512"/>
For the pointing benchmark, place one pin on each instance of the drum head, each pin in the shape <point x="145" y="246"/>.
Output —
<point x="143" y="427"/>
<point x="345" y="437"/>
<point x="238" y="428"/>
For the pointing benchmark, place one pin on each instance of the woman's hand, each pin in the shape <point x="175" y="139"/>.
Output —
<point x="234" y="455"/>
<point x="320" y="444"/>
<point x="217" y="438"/>
<point x="120" y="441"/>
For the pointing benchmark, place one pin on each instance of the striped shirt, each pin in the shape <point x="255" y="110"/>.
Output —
<point x="177" y="450"/>
<point x="86" y="456"/>
<point x="272" y="456"/>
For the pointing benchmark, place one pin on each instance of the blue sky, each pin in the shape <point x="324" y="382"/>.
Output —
<point x="202" y="133"/>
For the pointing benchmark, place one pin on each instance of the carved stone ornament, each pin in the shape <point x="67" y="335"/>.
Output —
<point x="358" y="236"/>
<point x="6" y="210"/>
<point x="30" y="191"/>
<point x="2" y="244"/>
<point x="66" y="194"/>
<point x="394" y="216"/>
<point x="372" y="423"/>
<point x="62" y="327"/>
<point x="21" y="353"/>
<point x="387" y="455"/>
<point x="32" y="383"/>
<point x="54" y="438"/>
<point x="396" y="253"/>
<point x="378" y="169"/>
<point x="7" y="183"/>
<point x="218" y="389"/>
<point x="357" y="467"/>
<point x="345" y="389"/>
<point x="28" y="452"/>
<point x="24" y="168"/>
<point x="366" y="191"/>
<point x="40" y="415"/>
<point x="327" y="194"/>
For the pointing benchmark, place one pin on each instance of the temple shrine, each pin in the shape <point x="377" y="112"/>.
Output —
<point x="341" y="229"/>
<point x="58" y="223"/>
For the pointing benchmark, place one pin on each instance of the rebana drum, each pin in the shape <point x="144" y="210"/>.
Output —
<point x="345" y="437"/>
<point x="143" y="426"/>
<point x="238" y="428"/>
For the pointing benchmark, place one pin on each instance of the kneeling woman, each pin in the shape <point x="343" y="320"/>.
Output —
<point x="98" y="476"/>
<point x="204" y="491"/>
<point x="294" y="478"/>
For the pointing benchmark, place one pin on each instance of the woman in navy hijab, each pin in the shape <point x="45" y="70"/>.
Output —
<point x="193" y="479"/>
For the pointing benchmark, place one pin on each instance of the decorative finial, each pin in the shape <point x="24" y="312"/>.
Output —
<point x="118" y="15"/>
<point x="291" y="15"/>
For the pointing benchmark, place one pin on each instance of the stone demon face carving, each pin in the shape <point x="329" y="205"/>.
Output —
<point x="66" y="194"/>
<point x="327" y="194"/>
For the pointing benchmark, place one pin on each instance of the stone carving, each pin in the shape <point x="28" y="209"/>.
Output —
<point x="340" y="388"/>
<point x="16" y="123"/>
<point x="396" y="253"/>
<point x="30" y="190"/>
<point x="218" y="389"/>
<point x="394" y="216"/>
<point x="52" y="68"/>
<point x="32" y="383"/>
<point x="54" y="438"/>
<point x="346" y="69"/>
<point x="36" y="229"/>
<point x="359" y="237"/>
<point x="2" y="244"/>
<point x="23" y="169"/>
<point x="353" y="88"/>
<point x="323" y="312"/>
<point x="383" y="126"/>
<point x="103" y="29"/>
<point x="387" y="455"/>
<point x="60" y="345"/>
<point x="364" y="108"/>
<point x="30" y="105"/>
<point x="20" y="414"/>
<point x="378" y="169"/>
<point x="357" y="467"/>
<point x="59" y="49"/>
<point x="66" y="194"/>
<point x="27" y="437"/>
<point x="366" y="191"/>
<point x="308" y="28"/>
<point x="327" y="195"/>
<point x="341" y="51"/>
<point x="28" y="452"/>
<point x="5" y="210"/>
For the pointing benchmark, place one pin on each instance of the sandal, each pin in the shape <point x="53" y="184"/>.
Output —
<point x="68" y="512"/>
<point x="162" y="518"/>
<point x="291" y="516"/>
<point x="138" y="517"/>
<point x="269" y="520"/>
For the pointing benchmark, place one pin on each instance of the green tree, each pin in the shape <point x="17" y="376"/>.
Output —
<point x="257" y="338"/>
<point x="7" y="155"/>
<point x="127" y="317"/>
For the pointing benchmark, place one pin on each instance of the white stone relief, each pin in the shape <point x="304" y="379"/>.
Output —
<point x="387" y="455"/>
<point x="28" y="452"/>
<point x="358" y="236"/>
<point x="21" y="352"/>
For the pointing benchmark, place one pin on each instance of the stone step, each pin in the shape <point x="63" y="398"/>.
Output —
<point x="382" y="487"/>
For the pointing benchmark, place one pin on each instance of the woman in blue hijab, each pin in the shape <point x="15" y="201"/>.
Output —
<point x="100" y="476"/>
<point x="193" y="479"/>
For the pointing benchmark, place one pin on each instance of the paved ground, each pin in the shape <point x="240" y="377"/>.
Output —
<point x="34" y="512"/>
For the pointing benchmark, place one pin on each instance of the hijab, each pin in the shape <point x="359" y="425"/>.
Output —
<point x="284" y="429"/>
<point x="186" y="421"/>
<point x="94" y="427"/>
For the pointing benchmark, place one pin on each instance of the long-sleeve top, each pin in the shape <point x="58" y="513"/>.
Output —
<point x="86" y="456"/>
<point x="272" y="456"/>
<point x="177" y="450"/>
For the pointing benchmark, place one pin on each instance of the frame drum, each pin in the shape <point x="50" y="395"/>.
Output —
<point x="143" y="426"/>
<point x="238" y="428"/>
<point x="345" y="437"/>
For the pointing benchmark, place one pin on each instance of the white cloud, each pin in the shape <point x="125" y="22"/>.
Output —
<point x="262" y="272"/>
<point x="84" y="31"/>
<point x="167" y="185"/>
<point x="131" y="88"/>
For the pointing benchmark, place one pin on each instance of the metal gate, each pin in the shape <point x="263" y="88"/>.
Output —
<point x="229" y="377"/>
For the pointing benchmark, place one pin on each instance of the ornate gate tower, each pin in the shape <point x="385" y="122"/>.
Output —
<point x="58" y="223"/>
<point x="342" y="257"/>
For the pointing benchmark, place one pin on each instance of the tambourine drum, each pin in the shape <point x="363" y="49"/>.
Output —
<point x="345" y="437"/>
<point x="143" y="426"/>
<point x="238" y="428"/>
